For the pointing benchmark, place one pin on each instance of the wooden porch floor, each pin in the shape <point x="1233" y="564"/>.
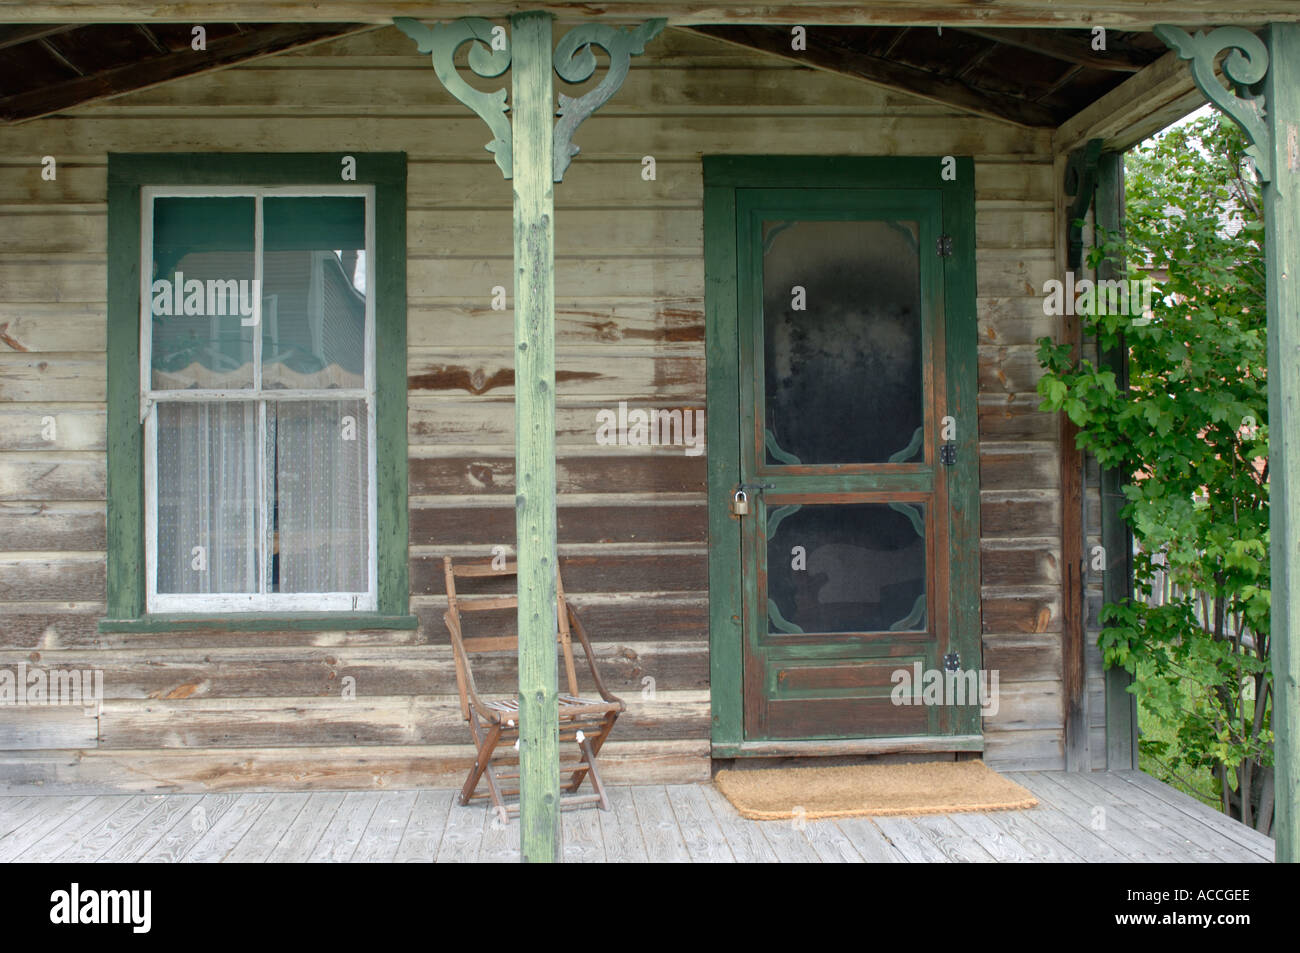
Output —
<point x="1124" y="817"/>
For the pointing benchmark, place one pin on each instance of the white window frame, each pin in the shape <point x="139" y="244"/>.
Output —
<point x="266" y="602"/>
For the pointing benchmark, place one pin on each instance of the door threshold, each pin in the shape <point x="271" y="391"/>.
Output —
<point x="830" y="747"/>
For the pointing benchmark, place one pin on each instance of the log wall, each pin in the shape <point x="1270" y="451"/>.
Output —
<point x="209" y="710"/>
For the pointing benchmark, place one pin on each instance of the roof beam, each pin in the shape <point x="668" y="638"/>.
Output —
<point x="828" y="54"/>
<point x="1078" y="14"/>
<point x="57" y="54"/>
<point x="13" y="35"/>
<point x="1117" y="56"/>
<point x="219" y="53"/>
<point x="1141" y="106"/>
<point x="149" y="35"/>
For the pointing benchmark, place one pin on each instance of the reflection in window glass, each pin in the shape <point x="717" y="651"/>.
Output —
<point x="846" y="567"/>
<point x="842" y="342"/>
<point x="313" y="287"/>
<point x="201" y="296"/>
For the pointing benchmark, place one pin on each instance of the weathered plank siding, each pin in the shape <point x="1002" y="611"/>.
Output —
<point x="210" y="710"/>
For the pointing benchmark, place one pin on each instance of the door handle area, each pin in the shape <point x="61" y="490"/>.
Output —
<point x="740" y="503"/>
<point x="740" y="496"/>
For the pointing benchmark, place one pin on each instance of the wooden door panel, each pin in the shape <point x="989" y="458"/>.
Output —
<point x="842" y="389"/>
<point x="792" y="430"/>
<point x="828" y="678"/>
<point x="856" y="717"/>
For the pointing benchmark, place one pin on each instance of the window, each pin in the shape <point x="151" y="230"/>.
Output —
<point x="257" y="384"/>
<point x="257" y="429"/>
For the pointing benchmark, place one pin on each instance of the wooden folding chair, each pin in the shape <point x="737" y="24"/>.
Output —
<point x="494" y="724"/>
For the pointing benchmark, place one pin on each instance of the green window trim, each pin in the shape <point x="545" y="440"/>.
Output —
<point x="127" y="174"/>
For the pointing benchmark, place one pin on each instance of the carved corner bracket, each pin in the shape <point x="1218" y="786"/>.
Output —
<point x="574" y="62"/>
<point x="1245" y="67"/>
<point x="442" y="41"/>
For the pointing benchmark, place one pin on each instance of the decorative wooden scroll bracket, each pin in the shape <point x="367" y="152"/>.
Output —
<point x="1245" y="67"/>
<point x="442" y="40"/>
<point x="574" y="63"/>
<point x="1080" y="182"/>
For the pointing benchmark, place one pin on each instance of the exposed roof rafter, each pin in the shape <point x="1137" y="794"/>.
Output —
<point x="221" y="51"/>
<point x="13" y="35"/>
<point x="1142" y="105"/>
<point x="827" y="53"/>
<point x="1071" y="47"/>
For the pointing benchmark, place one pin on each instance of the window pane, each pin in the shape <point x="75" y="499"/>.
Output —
<point x="859" y="567"/>
<point x="318" y="466"/>
<point x="842" y="357"/>
<point x="314" y="292"/>
<point x="207" y="481"/>
<point x="202" y="292"/>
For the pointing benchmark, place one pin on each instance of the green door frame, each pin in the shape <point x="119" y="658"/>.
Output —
<point x="723" y="175"/>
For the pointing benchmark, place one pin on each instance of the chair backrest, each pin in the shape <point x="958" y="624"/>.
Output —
<point x="461" y="604"/>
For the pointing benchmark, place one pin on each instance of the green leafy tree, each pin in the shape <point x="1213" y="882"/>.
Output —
<point x="1192" y="430"/>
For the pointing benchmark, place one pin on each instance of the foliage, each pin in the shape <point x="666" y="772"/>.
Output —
<point x="1192" y="430"/>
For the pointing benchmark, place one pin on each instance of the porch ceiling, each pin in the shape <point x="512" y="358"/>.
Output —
<point x="46" y="68"/>
<point x="1030" y="77"/>
<point x="1034" y="77"/>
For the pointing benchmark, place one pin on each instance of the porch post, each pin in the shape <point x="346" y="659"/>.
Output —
<point x="534" y="200"/>
<point x="1282" y="250"/>
<point x="534" y="151"/>
<point x="1265" y="102"/>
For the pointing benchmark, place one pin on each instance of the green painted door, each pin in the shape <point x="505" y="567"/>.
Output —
<point x="854" y="563"/>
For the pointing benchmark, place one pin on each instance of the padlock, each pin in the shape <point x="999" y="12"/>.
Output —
<point x="740" y="503"/>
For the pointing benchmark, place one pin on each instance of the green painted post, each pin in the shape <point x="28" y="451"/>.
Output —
<point x="1282" y="247"/>
<point x="1116" y="537"/>
<point x="533" y="106"/>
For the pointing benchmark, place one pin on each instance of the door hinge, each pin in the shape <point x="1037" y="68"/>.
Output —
<point x="944" y="246"/>
<point x="948" y="454"/>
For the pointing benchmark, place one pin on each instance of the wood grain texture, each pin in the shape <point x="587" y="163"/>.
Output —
<point x="52" y="427"/>
<point x="225" y="833"/>
<point x="1282" y="245"/>
<point x="1100" y="817"/>
<point x="423" y="833"/>
<point x="96" y="771"/>
<point x="315" y="722"/>
<point x="188" y="829"/>
<point x="37" y="825"/>
<point x="77" y="824"/>
<point x="630" y="325"/>
<point x="1046" y="13"/>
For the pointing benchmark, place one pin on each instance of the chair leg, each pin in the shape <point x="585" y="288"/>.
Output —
<point x="599" y="741"/>
<point x="575" y="781"/>
<point x="482" y="761"/>
<point x="589" y="756"/>
<point x="498" y="800"/>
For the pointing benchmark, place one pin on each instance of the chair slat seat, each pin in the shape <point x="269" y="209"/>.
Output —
<point x="570" y="706"/>
<point x="584" y="721"/>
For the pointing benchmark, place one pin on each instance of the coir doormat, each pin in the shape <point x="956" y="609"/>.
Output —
<point x="931" y="787"/>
